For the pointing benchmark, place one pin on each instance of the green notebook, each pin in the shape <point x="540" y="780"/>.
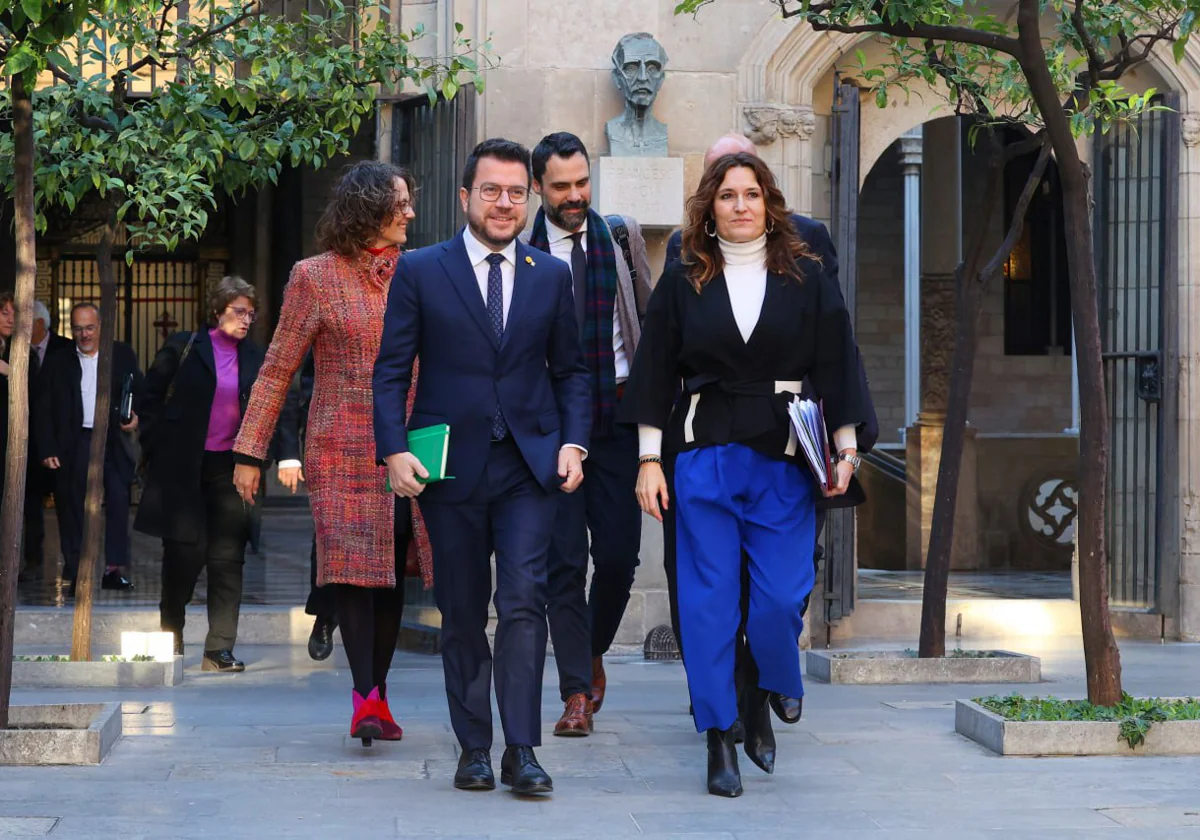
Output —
<point x="431" y="445"/>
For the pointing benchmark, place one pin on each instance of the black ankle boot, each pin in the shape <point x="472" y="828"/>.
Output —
<point x="760" y="737"/>
<point x="787" y="709"/>
<point x="723" y="776"/>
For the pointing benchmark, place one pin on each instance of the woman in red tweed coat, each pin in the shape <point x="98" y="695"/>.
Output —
<point x="334" y="303"/>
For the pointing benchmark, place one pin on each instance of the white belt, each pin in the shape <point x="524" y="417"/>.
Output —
<point x="782" y="386"/>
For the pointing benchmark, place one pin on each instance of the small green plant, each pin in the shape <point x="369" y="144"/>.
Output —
<point x="45" y="658"/>
<point x="141" y="657"/>
<point x="1135" y="716"/>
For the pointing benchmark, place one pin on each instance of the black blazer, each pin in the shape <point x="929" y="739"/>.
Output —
<point x="803" y="334"/>
<point x="173" y="434"/>
<point x="817" y="236"/>
<point x="60" y="408"/>
<point x="293" y="419"/>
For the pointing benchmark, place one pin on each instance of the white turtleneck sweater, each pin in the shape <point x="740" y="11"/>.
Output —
<point x="746" y="280"/>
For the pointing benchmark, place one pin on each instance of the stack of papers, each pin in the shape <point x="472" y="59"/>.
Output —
<point x="809" y="424"/>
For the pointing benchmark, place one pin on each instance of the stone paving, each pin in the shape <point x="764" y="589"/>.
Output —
<point x="265" y="754"/>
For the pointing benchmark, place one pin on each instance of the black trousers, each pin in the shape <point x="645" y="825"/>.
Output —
<point x="35" y="515"/>
<point x="321" y="601"/>
<point x="70" y="493"/>
<point x="221" y="549"/>
<point x="584" y="626"/>
<point x="508" y="513"/>
<point x="370" y="616"/>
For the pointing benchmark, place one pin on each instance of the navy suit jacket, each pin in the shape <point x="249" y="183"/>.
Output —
<point x="436" y="312"/>
<point x="817" y="237"/>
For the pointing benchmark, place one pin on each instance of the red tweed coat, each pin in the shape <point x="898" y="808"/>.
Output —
<point x="335" y="305"/>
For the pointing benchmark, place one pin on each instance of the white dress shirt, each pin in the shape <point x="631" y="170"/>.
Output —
<point x="478" y="253"/>
<point x="560" y="246"/>
<point x="88" y="365"/>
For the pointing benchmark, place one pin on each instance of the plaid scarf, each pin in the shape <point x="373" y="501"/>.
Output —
<point x="596" y="335"/>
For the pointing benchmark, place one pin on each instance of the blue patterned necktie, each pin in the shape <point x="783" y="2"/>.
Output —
<point x="495" y="308"/>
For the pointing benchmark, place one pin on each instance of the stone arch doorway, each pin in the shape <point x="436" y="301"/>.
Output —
<point x="785" y="89"/>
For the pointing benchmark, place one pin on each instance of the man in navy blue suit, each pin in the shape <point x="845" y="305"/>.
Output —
<point x="493" y="323"/>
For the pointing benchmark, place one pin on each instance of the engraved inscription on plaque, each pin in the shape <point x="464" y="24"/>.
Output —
<point x="648" y="189"/>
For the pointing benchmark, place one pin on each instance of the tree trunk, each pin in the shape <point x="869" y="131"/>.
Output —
<point x="12" y="516"/>
<point x="967" y="296"/>
<point x="1100" y="653"/>
<point x="93" y="518"/>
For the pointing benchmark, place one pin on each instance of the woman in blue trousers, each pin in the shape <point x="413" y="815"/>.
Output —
<point x="749" y="314"/>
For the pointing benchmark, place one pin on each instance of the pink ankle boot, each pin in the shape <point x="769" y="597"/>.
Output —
<point x="366" y="723"/>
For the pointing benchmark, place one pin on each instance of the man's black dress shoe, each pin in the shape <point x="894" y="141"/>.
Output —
<point x="760" y="737"/>
<point x="475" y="771"/>
<point x="519" y="769"/>
<point x="724" y="778"/>
<point x="116" y="581"/>
<point x="787" y="709"/>
<point x="221" y="660"/>
<point x="320" y="642"/>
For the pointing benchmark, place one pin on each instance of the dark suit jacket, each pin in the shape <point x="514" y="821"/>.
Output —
<point x="536" y="370"/>
<point x="817" y="236"/>
<point x="173" y="434"/>
<point x="293" y="419"/>
<point x="60" y="408"/>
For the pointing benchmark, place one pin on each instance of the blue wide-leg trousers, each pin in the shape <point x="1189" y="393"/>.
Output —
<point x="729" y="498"/>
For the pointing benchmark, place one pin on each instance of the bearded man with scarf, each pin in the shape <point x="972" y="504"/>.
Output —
<point x="611" y="280"/>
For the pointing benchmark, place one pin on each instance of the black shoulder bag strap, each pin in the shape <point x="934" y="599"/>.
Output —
<point x="620" y="233"/>
<point x="182" y="357"/>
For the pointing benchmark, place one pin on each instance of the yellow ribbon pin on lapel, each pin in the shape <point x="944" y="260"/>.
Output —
<point x="530" y="261"/>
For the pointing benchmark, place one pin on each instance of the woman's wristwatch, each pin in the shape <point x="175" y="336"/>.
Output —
<point x="851" y="458"/>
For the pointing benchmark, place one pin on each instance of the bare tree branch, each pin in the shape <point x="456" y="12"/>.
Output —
<point x="1018" y="220"/>
<point x="1127" y="57"/>
<point x="958" y="34"/>
<point x="248" y="11"/>
<point x="1095" y="64"/>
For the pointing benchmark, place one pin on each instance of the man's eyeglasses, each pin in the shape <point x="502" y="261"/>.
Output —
<point x="85" y="329"/>
<point x="243" y="314"/>
<point x="491" y="192"/>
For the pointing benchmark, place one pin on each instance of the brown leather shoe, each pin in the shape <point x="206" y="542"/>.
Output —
<point x="599" y="683"/>
<point x="576" y="720"/>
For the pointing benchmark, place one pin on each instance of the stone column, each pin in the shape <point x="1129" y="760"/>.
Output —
<point x="941" y="250"/>
<point x="910" y="162"/>
<point x="1189" y="382"/>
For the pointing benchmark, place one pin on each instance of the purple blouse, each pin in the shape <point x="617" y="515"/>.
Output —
<point x="226" y="414"/>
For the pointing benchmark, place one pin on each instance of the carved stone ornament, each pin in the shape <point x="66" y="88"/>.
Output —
<point x="937" y="340"/>
<point x="766" y="123"/>
<point x="1191" y="128"/>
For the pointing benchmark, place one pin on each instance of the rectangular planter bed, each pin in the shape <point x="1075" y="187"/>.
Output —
<point x="881" y="667"/>
<point x="1070" y="737"/>
<point x="29" y="674"/>
<point x="69" y="733"/>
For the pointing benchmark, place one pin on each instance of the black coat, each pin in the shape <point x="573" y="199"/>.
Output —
<point x="803" y="334"/>
<point x="817" y="237"/>
<point x="59" y="408"/>
<point x="173" y="434"/>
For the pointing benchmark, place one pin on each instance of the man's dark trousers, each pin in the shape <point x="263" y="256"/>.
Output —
<point x="605" y="505"/>
<point x="508" y="513"/>
<point x="320" y="598"/>
<point x="69" y="496"/>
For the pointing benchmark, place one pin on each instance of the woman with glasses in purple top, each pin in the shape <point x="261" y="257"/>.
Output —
<point x="196" y="395"/>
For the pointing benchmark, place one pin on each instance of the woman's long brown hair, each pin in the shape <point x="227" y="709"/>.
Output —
<point x="702" y="252"/>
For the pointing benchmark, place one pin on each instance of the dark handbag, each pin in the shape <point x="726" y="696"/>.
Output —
<point x="145" y="459"/>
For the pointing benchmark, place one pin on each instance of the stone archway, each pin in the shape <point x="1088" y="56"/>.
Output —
<point x="777" y="83"/>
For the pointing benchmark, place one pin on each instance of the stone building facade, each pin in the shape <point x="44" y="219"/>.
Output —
<point x="739" y="66"/>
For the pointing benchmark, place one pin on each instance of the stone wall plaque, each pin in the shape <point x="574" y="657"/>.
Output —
<point x="648" y="189"/>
